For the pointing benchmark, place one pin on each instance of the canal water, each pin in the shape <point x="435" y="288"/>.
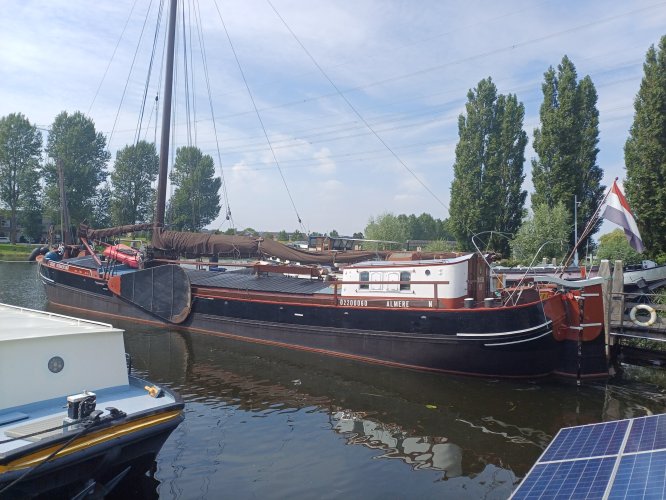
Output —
<point x="263" y="422"/>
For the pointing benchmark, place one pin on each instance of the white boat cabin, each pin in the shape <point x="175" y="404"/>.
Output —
<point x="45" y="356"/>
<point x="443" y="279"/>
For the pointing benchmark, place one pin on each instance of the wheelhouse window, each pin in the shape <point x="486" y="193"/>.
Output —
<point x="364" y="276"/>
<point x="405" y="276"/>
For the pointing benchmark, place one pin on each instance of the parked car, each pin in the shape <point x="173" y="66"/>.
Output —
<point x="4" y="239"/>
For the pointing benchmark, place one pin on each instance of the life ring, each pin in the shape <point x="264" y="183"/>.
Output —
<point x="646" y="308"/>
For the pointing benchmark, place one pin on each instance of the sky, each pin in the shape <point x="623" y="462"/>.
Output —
<point x="331" y="112"/>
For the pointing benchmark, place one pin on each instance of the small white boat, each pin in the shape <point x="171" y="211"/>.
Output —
<point x="73" y="420"/>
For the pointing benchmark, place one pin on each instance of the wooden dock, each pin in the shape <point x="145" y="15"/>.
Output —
<point x="635" y="322"/>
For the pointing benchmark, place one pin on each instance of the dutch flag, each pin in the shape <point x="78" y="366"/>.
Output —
<point x="617" y="210"/>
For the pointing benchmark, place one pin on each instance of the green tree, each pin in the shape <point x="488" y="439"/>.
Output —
<point x="486" y="192"/>
<point x="614" y="246"/>
<point x="196" y="200"/>
<point x="20" y="149"/>
<point x="132" y="195"/>
<point x="386" y="227"/>
<point x="334" y="234"/>
<point x="297" y="236"/>
<point x="645" y="153"/>
<point x="566" y="145"/>
<point x="547" y="227"/>
<point x="358" y="236"/>
<point x="101" y="214"/>
<point x="75" y="143"/>
<point x="283" y="236"/>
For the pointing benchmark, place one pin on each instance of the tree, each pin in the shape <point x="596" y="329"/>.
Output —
<point x="20" y="150"/>
<point x="357" y="236"/>
<point x="134" y="171"/>
<point x="486" y="192"/>
<point x="101" y="214"/>
<point x="645" y="153"/>
<point x="75" y="143"/>
<point x="386" y="227"/>
<point x="549" y="226"/>
<point x="283" y="236"/>
<point x="196" y="200"/>
<point x="334" y="234"/>
<point x="297" y="236"/>
<point x="614" y="246"/>
<point x="566" y="145"/>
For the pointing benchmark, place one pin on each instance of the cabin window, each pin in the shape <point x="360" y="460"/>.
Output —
<point x="364" y="276"/>
<point x="376" y="278"/>
<point x="393" y="286"/>
<point x="405" y="276"/>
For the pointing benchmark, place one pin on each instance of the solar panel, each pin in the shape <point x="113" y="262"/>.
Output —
<point x="624" y="459"/>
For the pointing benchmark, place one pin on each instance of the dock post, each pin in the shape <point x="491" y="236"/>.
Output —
<point x="606" y="288"/>
<point x="617" y="304"/>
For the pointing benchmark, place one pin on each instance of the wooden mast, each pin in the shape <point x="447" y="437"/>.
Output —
<point x="166" y="120"/>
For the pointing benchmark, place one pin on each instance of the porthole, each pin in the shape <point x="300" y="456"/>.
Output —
<point x="56" y="364"/>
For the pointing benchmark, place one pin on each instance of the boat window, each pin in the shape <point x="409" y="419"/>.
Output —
<point x="378" y="277"/>
<point x="364" y="276"/>
<point x="394" y="278"/>
<point x="405" y="276"/>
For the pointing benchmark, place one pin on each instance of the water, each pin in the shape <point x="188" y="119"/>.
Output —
<point x="263" y="422"/>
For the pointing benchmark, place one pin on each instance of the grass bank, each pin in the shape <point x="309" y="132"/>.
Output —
<point x="16" y="252"/>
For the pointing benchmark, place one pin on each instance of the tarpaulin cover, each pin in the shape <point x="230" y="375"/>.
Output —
<point x="252" y="247"/>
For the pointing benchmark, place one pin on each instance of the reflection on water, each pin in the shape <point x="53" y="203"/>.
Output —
<point x="269" y="422"/>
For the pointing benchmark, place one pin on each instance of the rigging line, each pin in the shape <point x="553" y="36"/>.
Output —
<point x="284" y="181"/>
<point x="192" y="71"/>
<point x="197" y="14"/>
<point x="139" y="125"/>
<point x="129" y="74"/>
<point x="115" y="49"/>
<point x="356" y="112"/>
<point x="186" y="80"/>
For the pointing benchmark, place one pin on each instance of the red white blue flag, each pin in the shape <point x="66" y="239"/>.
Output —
<point x="617" y="210"/>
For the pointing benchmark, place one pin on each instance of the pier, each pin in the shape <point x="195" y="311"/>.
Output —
<point x="635" y="323"/>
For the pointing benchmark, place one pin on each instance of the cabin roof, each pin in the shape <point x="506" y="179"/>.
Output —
<point x="409" y="263"/>
<point x="20" y="323"/>
<point x="246" y="280"/>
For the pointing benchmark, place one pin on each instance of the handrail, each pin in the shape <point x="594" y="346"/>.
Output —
<point x="79" y="321"/>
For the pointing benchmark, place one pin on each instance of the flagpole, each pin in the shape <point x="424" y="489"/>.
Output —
<point x="593" y="220"/>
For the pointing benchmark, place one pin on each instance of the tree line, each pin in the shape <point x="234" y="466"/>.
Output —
<point x="488" y="203"/>
<point x="29" y="178"/>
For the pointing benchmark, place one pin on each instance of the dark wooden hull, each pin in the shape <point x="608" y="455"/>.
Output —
<point x="490" y="342"/>
<point x="97" y="459"/>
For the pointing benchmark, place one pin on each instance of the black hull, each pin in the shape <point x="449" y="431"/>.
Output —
<point x="66" y="476"/>
<point x="499" y="342"/>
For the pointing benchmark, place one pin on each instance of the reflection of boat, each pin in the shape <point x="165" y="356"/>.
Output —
<point x="429" y="314"/>
<point x="486" y="419"/>
<point x="419" y="451"/>
<point x="58" y="372"/>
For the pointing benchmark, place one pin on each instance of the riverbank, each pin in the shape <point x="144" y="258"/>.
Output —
<point x="19" y="252"/>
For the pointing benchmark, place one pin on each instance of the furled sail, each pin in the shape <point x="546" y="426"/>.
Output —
<point x="236" y="246"/>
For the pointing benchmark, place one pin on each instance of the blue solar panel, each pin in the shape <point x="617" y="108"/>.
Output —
<point x="642" y="475"/>
<point x="552" y="480"/>
<point x="647" y="434"/>
<point x="623" y="459"/>
<point x="587" y="441"/>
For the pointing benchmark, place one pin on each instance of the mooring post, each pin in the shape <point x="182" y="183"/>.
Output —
<point x="617" y="304"/>
<point x="606" y="288"/>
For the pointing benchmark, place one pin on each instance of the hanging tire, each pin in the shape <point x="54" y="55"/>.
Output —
<point x="38" y="251"/>
<point x="647" y="309"/>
